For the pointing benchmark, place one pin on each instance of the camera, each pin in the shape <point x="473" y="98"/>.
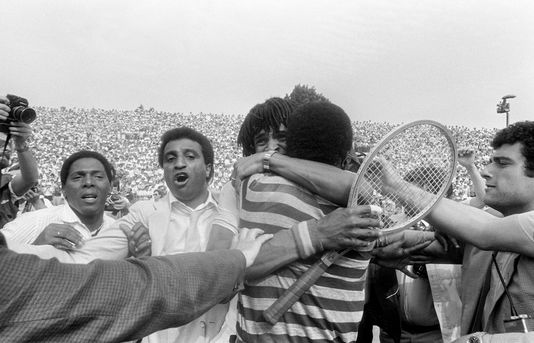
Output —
<point x="19" y="112"/>
<point x="519" y="323"/>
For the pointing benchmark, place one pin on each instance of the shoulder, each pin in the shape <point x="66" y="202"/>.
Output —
<point x="49" y="212"/>
<point x="145" y="205"/>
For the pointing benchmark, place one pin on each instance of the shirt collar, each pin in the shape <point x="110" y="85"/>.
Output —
<point x="209" y="201"/>
<point x="68" y="216"/>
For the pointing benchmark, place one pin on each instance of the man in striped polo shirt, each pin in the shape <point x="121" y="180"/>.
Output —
<point x="332" y="308"/>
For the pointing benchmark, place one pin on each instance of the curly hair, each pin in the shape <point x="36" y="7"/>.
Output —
<point x="520" y="132"/>
<point x="267" y="116"/>
<point x="65" y="168"/>
<point x="319" y="131"/>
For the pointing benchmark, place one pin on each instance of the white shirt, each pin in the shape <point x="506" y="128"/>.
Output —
<point x="28" y="226"/>
<point x="22" y="232"/>
<point x="187" y="230"/>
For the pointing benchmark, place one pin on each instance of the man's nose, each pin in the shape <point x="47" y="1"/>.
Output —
<point x="180" y="162"/>
<point x="273" y="144"/>
<point x="485" y="172"/>
<point x="88" y="180"/>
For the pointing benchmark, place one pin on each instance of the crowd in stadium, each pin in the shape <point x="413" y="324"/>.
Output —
<point x="171" y="227"/>
<point x="129" y="139"/>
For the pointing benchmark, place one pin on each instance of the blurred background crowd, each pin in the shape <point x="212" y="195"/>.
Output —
<point x="129" y="139"/>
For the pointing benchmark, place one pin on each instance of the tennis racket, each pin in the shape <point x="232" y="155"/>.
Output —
<point x="421" y="152"/>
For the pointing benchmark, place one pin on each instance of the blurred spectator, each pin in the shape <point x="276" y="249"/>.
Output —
<point x="127" y="138"/>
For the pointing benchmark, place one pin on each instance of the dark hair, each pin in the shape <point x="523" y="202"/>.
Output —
<point x="520" y="132"/>
<point x="268" y="115"/>
<point x="319" y="131"/>
<point x="422" y="175"/>
<point x="65" y="168"/>
<point x="185" y="132"/>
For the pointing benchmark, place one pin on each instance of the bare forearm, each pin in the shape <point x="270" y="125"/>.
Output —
<point x="330" y="182"/>
<point x="274" y="254"/>
<point x="29" y="173"/>
<point x="478" y="182"/>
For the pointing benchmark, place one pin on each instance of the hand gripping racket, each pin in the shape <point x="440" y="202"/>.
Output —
<point x="422" y="152"/>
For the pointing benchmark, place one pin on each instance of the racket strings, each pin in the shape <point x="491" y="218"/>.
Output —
<point x="421" y="155"/>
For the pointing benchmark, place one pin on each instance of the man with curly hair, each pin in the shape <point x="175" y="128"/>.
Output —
<point x="331" y="309"/>
<point x="498" y="260"/>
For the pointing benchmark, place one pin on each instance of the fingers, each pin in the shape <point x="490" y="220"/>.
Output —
<point x="20" y="129"/>
<point x="63" y="233"/>
<point x="411" y="274"/>
<point x="139" y="242"/>
<point x="4" y="108"/>
<point x="420" y="259"/>
<point x="417" y="247"/>
<point x="74" y="238"/>
<point x="138" y="231"/>
<point x="358" y="216"/>
<point x="367" y="210"/>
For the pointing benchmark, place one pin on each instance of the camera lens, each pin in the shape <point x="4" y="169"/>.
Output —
<point x="23" y="114"/>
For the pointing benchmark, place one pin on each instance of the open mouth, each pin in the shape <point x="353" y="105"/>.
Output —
<point x="90" y="198"/>
<point x="181" y="178"/>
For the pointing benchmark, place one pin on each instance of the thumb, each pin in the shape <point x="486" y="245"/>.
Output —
<point x="264" y="238"/>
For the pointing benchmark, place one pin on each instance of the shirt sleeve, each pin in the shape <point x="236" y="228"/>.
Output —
<point x="228" y="210"/>
<point x="526" y="224"/>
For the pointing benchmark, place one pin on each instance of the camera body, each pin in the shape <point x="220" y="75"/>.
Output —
<point x="19" y="112"/>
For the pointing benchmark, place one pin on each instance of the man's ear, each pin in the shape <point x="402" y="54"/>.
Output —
<point x="209" y="172"/>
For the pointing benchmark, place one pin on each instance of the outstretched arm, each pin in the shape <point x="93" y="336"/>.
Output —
<point x="328" y="181"/>
<point x="342" y="228"/>
<point x="115" y="301"/>
<point x="469" y="224"/>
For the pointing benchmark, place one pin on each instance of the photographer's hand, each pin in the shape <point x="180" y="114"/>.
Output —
<point x="29" y="173"/>
<point x="4" y="108"/>
<point x="20" y="132"/>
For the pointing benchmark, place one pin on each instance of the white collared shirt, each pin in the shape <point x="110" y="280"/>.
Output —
<point x="28" y="226"/>
<point x="188" y="229"/>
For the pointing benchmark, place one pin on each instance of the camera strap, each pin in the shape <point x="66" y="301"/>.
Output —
<point x="476" y="323"/>
<point x="505" y="286"/>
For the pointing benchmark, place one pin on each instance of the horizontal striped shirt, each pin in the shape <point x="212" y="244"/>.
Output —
<point x="331" y="309"/>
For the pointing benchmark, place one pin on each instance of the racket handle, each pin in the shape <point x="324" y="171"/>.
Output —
<point x="304" y="282"/>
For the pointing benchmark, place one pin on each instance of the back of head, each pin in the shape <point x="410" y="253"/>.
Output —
<point x="520" y="132"/>
<point x="267" y="116"/>
<point x="65" y="168"/>
<point x="319" y="131"/>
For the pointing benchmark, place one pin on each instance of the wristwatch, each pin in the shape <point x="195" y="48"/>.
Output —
<point x="267" y="159"/>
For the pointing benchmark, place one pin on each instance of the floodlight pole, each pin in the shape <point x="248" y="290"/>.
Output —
<point x="504" y="107"/>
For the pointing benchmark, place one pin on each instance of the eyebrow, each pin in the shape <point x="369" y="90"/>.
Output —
<point x="83" y="172"/>
<point x="187" y="150"/>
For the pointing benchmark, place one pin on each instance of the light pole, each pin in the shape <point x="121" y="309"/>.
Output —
<point x="504" y="107"/>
